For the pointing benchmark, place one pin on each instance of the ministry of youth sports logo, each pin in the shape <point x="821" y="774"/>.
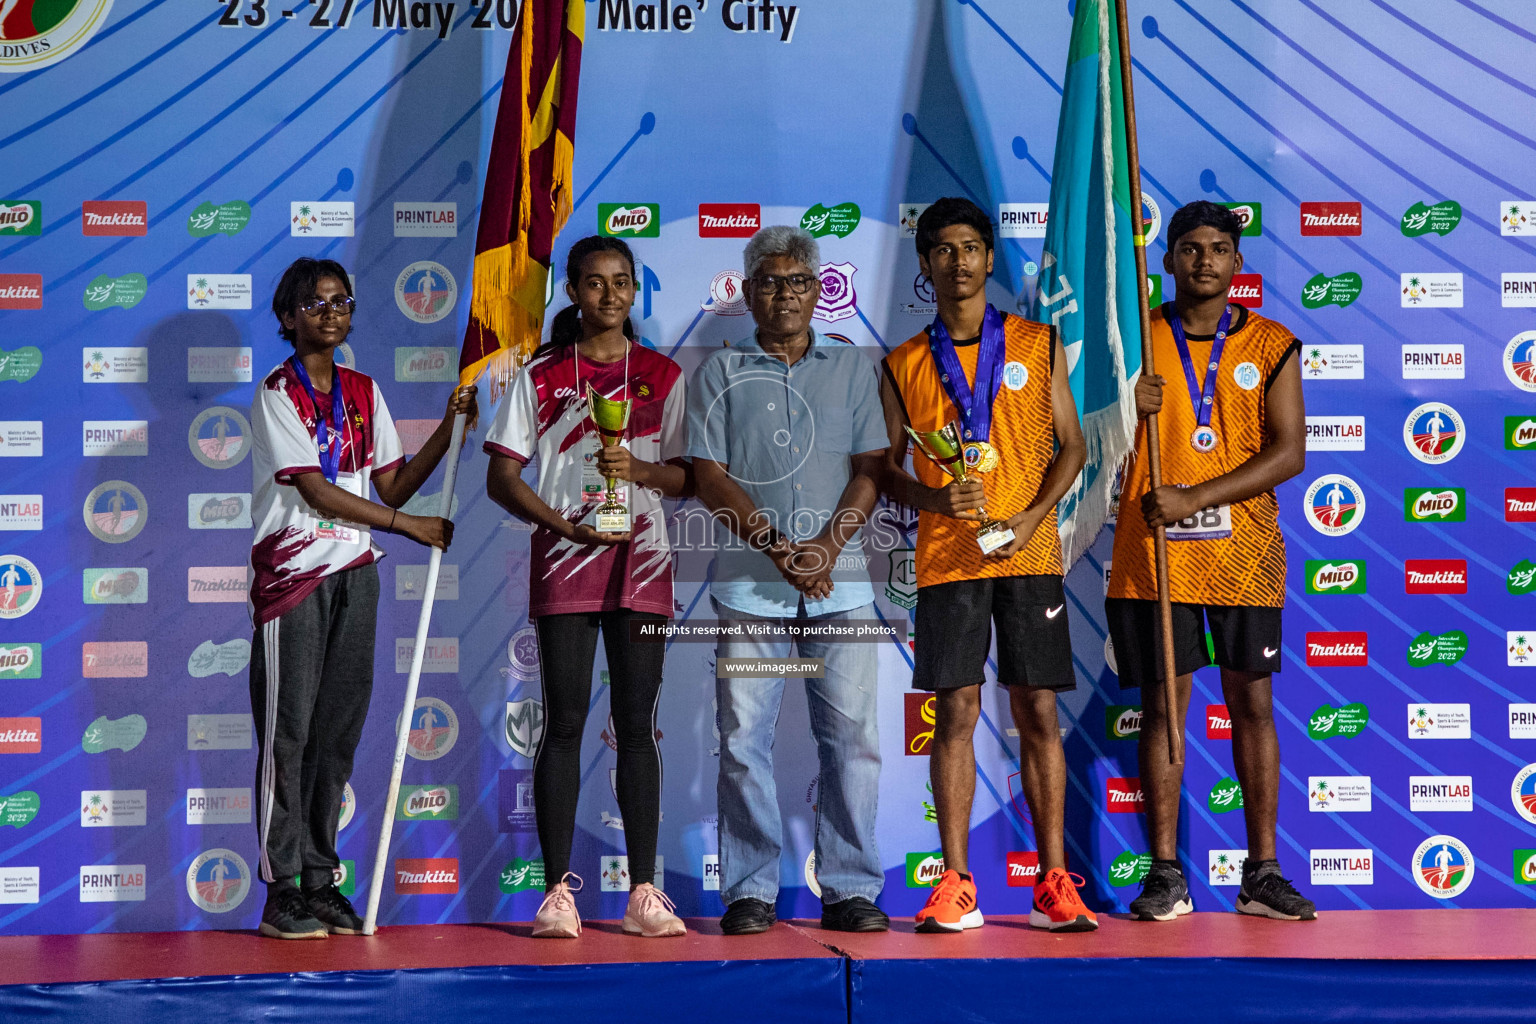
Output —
<point x="218" y="880"/>
<point x="1443" y="867"/>
<point x="220" y="437"/>
<point x="1334" y="505"/>
<point x="115" y="511"/>
<point x="1434" y="433"/>
<point x="35" y="35"/>
<point x="426" y="292"/>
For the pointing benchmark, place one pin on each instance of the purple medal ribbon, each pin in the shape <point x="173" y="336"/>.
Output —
<point x="1204" y="400"/>
<point x="330" y="448"/>
<point x="975" y="417"/>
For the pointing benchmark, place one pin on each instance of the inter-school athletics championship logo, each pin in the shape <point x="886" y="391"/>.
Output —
<point x="37" y="33"/>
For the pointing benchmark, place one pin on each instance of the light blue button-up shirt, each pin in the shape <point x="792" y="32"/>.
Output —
<point x="785" y="434"/>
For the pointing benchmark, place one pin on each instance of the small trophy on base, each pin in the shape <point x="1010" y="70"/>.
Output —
<point x="944" y="449"/>
<point x="611" y="417"/>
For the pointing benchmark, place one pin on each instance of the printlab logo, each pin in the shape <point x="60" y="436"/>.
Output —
<point x="219" y="437"/>
<point x="1522" y="721"/>
<point x="631" y="220"/>
<point x="1329" y="722"/>
<point x="219" y="806"/>
<point x="1335" y="433"/>
<point x="106" y="291"/>
<point x="1443" y="867"/>
<point x="1432" y="362"/>
<point x="21" y="217"/>
<point x="434" y="730"/>
<point x="223" y="364"/>
<point x="1334" y="362"/>
<point x="33" y="37"/>
<point x="838" y="300"/>
<point x="1517" y="290"/>
<point x="1422" y="218"/>
<point x="1339" y="290"/>
<point x="1429" y="505"/>
<point x="1343" y="867"/>
<point x="111" y="883"/>
<point x="425" y="292"/>
<point x="839" y="220"/>
<point x="21" y="511"/>
<point x="115" y="511"/>
<point x="1342" y="577"/>
<point x="1022" y="220"/>
<point x="1440" y="792"/>
<point x="222" y="219"/>
<point x="1330" y="219"/>
<point x="1338" y="794"/>
<point x="426" y="220"/>
<point x="1334" y="505"/>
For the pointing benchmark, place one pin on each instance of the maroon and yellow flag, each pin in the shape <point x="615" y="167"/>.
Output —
<point x="527" y="190"/>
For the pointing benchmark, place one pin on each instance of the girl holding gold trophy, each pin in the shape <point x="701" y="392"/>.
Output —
<point x="604" y="416"/>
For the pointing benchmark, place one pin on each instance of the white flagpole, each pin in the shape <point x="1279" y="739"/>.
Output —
<point x="403" y="732"/>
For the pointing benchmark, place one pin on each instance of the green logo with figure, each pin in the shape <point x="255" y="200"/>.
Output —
<point x="1522" y="578"/>
<point x="1225" y="796"/>
<point x="839" y="220"/>
<point x="21" y="364"/>
<point x="224" y="219"/>
<point x="1251" y="215"/>
<point x="1129" y="869"/>
<point x="18" y="809"/>
<point x="1122" y="721"/>
<point x="1328" y="722"/>
<point x="522" y="876"/>
<point x="1440" y="219"/>
<point x="106" y="734"/>
<point x="105" y="291"/>
<point x="1437" y="649"/>
<point x="1339" y="290"/>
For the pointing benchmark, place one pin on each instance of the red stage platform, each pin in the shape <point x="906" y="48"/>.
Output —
<point x="1445" y="965"/>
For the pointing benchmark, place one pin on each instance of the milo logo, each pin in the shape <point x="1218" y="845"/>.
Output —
<point x="1421" y="504"/>
<point x="1328" y="722"/>
<point x="21" y="661"/>
<point x="1347" y="577"/>
<point x="1522" y="578"/>
<point x="1250" y="215"/>
<point x="440" y="803"/>
<point x="21" y="217"/>
<point x="105" y="291"/>
<point x="640" y="220"/>
<point x="224" y="219"/>
<point x="1129" y="869"/>
<point x="1439" y="219"/>
<point x="1519" y="433"/>
<point x="1433" y="649"/>
<point x="1122" y="721"/>
<point x="924" y="869"/>
<point x="1322" y="290"/>
<point x="1225" y="796"/>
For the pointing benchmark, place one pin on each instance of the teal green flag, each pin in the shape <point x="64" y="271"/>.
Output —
<point x="1087" y="284"/>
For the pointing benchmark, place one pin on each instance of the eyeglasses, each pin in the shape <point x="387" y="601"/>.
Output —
<point x="769" y="284"/>
<point x="341" y="307"/>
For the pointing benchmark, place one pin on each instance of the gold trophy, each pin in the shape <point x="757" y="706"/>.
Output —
<point x="943" y="447"/>
<point x="611" y="418"/>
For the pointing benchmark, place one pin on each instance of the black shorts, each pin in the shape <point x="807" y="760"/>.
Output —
<point x="1245" y="638"/>
<point x="954" y="633"/>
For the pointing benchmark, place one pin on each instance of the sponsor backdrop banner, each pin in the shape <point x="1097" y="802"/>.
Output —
<point x="163" y="161"/>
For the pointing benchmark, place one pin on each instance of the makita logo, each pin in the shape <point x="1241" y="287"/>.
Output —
<point x="21" y="735"/>
<point x="1336" y="649"/>
<point x="1023" y="867"/>
<point x="627" y="218"/>
<point x="1330" y="218"/>
<point x="229" y="584"/>
<point x="729" y="220"/>
<point x="427" y="875"/>
<point x="21" y="291"/>
<point x="1248" y="289"/>
<point x="1124" y="796"/>
<point x="1435" y="576"/>
<point x="1218" y="722"/>
<point x="1520" y="504"/>
<point x="113" y="217"/>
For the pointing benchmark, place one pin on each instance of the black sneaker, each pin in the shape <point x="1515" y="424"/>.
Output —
<point x="333" y="910"/>
<point x="1269" y="895"/>
<point x="1164" y="895"/>
<point x="747" y="916"/>
<point x="287" y="916"/>
<point x="855" y="914"/>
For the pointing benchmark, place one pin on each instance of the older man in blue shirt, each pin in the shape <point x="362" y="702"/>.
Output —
<point x="787" y="439"/>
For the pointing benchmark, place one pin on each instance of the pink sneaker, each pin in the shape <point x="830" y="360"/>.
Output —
<point x="650" y="914"/>
<point x="557" y="918"/>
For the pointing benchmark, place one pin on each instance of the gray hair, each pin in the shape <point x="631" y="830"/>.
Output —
<point x="781" y="240"/>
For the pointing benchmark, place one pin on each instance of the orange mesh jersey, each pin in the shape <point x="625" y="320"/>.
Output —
<point x="1247" y="567"/>
<point x="1023" y="435"/>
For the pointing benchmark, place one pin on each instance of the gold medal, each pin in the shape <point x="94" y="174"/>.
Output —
<point x="981" y="457"/>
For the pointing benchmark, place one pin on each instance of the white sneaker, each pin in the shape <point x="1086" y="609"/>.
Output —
<point x="650" y="914"/>
<point x="557" y="917"/>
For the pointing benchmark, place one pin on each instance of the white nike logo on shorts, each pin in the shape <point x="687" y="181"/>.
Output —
<point x="1270" y="652"/>
<point x="1051" y="613"/>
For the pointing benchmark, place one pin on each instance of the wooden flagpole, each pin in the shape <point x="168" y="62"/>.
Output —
<point x="1154" y="449"/>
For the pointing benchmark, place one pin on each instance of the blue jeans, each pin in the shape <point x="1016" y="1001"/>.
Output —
<point x="846" y="730"/>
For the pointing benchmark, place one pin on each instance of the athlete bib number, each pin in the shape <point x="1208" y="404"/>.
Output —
<point x="1212" y="523"/>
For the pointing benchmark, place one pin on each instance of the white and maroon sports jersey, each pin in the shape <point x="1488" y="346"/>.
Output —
<point x="295" y="547"/>
<point x="544" y="415"/>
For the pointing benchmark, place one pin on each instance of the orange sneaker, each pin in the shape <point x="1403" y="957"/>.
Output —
<point x="1058" y="906"/>
<point x="951" y="907"/>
